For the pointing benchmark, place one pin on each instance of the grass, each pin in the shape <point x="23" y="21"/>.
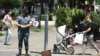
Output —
<point x="41" y="29"/>
<point x="37" y="29"/>
<point x="1" y="34"/>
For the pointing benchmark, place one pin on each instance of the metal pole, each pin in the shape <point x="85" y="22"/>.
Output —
<point x="46" y="27"/>
<point x="94" y="6"/>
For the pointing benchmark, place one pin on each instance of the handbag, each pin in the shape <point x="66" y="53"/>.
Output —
<point x="79" y="38"/>
<point x="5" y="27"/>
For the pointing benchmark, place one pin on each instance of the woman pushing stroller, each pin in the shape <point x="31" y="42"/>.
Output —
<point x="89" y="35"/>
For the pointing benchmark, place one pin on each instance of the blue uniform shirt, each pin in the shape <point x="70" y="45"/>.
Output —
<point x="23" y="21"/>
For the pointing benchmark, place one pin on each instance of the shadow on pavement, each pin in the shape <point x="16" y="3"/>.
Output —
<point x="74" y="54"/>
<point x="59" y="53"/>
<point x="82" y="54"/>
<point x="35" y="52"/>
<point x="98" y="43"/>
<point x="23" y="55"/>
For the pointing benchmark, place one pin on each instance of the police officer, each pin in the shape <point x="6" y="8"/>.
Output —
<point x="23" y="22"/>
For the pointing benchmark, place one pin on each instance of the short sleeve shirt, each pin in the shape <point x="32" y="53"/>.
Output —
<point x="90" y="25"/>
<point x="23" y="21"/>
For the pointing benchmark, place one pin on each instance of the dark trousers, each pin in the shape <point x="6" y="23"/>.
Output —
<point x="22" y="38"/>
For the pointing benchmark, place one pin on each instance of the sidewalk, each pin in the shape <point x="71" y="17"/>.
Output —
<point x="36" y="45"/>
<point x="50" y="23"/>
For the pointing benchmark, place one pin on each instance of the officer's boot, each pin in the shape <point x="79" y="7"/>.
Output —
<point x="26" y="52"/>
<point x="19" y="53"/>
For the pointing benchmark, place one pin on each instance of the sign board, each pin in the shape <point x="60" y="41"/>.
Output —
<point x="36" y="21"/>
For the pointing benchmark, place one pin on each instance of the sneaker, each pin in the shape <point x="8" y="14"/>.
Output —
<point x="5" y="43"/>
<point x="19" y="52"/>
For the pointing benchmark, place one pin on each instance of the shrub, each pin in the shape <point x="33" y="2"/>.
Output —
<point x="63" y="17"/>
<point x="42" y="16"/>
<point x="1" y="24"/>
<point x="1" y="34"/>
<point x="96" y="19"/>
<point x="49" y="18"/>
<point x="77" y="15"/>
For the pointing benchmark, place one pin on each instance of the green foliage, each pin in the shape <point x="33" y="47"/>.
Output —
<point x="14" y="14"/>
<point x="63" y="17"/>
<point x="1" y="24"/>
<point x="50" y="16"/>
<point x="69" y="17"/>
<point x="77" y="15"/>
<point x="42" y="28"/>
<point x="96" y="19"/>
<point x="42" y="16"/>
<point x="91" y="2"/>
<point x="10" y="3"/>
<point x="97" y="2"/>
<point x="61" y="2"/>
<point x="38" y="29"/>
<point x="1" y="34"/>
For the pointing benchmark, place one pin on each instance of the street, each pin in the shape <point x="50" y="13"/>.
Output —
<point x="36" y="45"/>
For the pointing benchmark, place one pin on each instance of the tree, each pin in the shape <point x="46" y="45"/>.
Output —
<point x="10" y="3"/>
<point x="90" y="2"/>
<point x="97" y="1"/>
<point x="61" y="2"/>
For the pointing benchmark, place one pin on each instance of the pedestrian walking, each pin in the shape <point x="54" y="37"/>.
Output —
<point x="89" y="35"/>
<point x="8" y="23"/>
<point x="23" y="22"/>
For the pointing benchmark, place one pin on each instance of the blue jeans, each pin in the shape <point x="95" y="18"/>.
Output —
<point x="8" y="35"/>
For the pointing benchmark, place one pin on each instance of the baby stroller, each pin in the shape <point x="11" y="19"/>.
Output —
<point x="62" y="42"/>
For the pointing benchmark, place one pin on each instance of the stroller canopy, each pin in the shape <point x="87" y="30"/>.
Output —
<point x="61" y="30"/>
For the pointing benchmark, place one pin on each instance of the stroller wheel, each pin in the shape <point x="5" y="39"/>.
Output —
<point x="70" y="51"/>
<point x="55" y="49"/>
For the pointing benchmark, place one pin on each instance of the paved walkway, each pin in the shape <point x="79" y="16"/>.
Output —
<point x="36" y="45"/>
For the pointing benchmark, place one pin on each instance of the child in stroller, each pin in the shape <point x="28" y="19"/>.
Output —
<point x="69" y="36"/>
<point x="64" y="40"/>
